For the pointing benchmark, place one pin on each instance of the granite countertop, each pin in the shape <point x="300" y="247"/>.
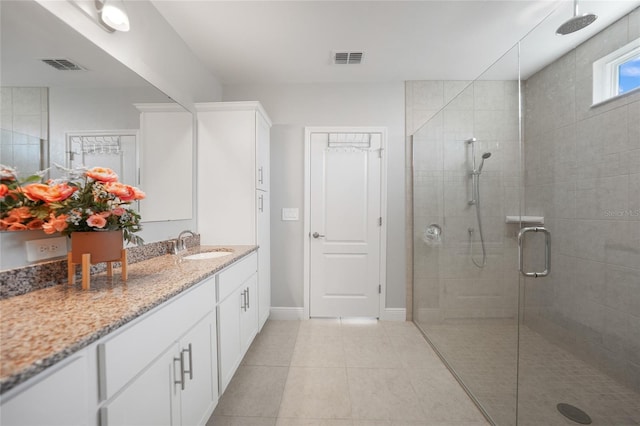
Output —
<point x="40" y="328"/>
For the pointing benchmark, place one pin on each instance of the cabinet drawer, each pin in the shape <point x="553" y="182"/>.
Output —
<point x="235" y="275"/>
<point x="123" y="356"/>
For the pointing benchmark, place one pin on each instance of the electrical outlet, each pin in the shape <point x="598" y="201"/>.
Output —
<point x="46" y="248"/>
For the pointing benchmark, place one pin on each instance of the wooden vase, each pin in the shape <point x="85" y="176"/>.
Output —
<point x="103" y="246"/>
<point x="89" y="248"/>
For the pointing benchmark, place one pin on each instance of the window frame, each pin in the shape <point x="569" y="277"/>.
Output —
<point x="606" y="78"/>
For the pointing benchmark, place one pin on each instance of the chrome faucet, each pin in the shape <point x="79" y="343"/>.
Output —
<point x="179" y="243"/>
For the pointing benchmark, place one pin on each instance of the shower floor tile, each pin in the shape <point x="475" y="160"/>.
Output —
<point x="484" y="356"/>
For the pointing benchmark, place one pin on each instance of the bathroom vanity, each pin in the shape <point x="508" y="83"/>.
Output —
<point x="158" y="349"/>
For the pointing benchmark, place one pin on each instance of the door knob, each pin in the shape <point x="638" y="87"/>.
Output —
<point x="316" y="235"/>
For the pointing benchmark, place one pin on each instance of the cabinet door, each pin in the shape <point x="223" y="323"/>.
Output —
<point x="200" y="394"/>
<point x="249" y="314"/>
<point x="59" y="398"/>
<point x="229" y="348"/>
<point x="152" y="399"/>
<point x="264" y="258"/>
<point x="262" y="153"/>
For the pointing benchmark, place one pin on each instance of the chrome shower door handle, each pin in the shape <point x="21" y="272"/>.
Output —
<point x="547" y="251"/>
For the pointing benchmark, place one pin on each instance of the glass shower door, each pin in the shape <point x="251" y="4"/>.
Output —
<point x="579" y="344"/>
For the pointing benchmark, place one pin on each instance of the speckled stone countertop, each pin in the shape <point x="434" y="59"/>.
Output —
<point x="40" y="328"/>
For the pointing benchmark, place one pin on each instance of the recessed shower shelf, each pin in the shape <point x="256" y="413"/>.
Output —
<point x="536" y="220"/>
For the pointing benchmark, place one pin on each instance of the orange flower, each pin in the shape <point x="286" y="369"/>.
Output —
<point x="125" y="192"/>
<point x="118" y="211"/>
<point x="102" y="174"/>
<point x="16" y="227"/>
<point x="35" y="224"/>
<point x="139" y="194"/>
<point x="55" y="224"/>
<point x="48" y="194"/>
<point x="4" y="190"/>
<point x="19" y="214"/>
<point x="96" y="221"/>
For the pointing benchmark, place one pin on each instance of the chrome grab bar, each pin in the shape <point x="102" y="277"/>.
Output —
<point x="547" y="251"/>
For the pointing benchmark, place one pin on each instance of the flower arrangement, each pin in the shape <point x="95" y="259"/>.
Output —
<point x="85" y="200"/>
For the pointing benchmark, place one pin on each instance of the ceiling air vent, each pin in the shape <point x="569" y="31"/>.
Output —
<point x="63" y="64"/>
<point x="347" y="58"/>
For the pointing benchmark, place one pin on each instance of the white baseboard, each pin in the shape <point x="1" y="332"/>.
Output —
<point x="394" y="314"/>
<point x="289" y="314"/>
<point x="286" y="314"/>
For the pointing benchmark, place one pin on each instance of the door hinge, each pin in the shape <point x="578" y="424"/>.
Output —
<point x="379" y="288"/>
<point x="380" y="153"/>
<point x="380" y="221"/>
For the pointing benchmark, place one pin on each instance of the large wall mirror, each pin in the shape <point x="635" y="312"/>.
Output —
<point x="65" y="101"/>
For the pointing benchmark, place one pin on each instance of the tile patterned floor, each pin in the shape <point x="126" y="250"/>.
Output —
<point x="484" y="355"/>
<point x="343" y="373"/>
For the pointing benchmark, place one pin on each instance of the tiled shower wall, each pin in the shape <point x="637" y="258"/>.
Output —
<point x="447" y="286"/>
<point x="582" y="173"/>
<point x="24" y="120"/>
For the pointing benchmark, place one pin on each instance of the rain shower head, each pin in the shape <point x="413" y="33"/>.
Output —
<point x="577" y="22"/>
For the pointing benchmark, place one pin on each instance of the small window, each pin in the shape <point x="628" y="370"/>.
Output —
<point x="629" y="75"/>
<point x="617" y="74"/>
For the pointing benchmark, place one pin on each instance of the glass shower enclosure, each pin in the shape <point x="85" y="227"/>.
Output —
<point x="522" y="149"/>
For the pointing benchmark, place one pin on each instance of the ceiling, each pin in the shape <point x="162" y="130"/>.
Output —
<point x="249" y="42"/>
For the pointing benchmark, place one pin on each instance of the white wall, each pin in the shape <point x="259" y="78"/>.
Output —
<point x="291" y="108"/>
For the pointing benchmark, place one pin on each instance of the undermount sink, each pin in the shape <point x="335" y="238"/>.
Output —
<point x="207" y="255"/>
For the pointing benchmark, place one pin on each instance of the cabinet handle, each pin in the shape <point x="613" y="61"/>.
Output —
<point x="261" y="205"/>
<point x="181" y="360"/>
<point x="248" y="307"/>
<point x="243" y="304"/>
<point x="190" y="370"/>
<point x="260" y="175"/>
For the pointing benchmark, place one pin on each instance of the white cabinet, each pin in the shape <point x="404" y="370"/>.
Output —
<point x="166" y="134"/>
<point x="151" y="399"/>
<point x="162" y="369"/>
<point x="199" y="351"/>
<point x="264" y="258"/>
<point x="237" y="315"/>
<point x="249" y="313"/>
<point x="178" y="388"/>
<point x="233" y="177"/>
<point x="58" y="396"/>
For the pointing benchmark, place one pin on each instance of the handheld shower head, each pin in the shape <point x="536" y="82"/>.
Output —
<point x="484" y="157"/>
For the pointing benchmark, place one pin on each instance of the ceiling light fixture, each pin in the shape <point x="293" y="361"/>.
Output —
<point x="113" y="14"/>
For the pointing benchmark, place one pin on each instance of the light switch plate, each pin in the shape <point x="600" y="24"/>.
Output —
<point x="290" y="213"/>
<point x="46" y="248"/>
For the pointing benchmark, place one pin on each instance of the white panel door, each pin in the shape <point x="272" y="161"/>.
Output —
<point x="344" y="225"/>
